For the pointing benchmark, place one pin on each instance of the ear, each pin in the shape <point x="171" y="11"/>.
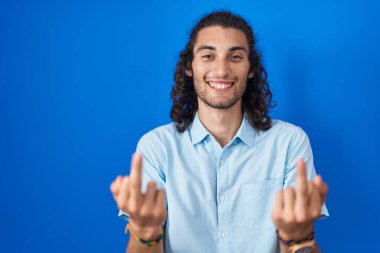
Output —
<point x="189" y="73"/>
<point x="250" y="74"/>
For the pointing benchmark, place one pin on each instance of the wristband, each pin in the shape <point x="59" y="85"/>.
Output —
<point x="309" y="237"/>
<point x="303" y="245"/>
<point x="147" y="243"/>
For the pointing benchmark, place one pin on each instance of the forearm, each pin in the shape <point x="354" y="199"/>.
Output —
<point x="135" y="246"/>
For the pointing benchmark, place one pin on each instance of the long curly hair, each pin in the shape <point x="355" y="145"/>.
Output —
<point x="257" y="98"/>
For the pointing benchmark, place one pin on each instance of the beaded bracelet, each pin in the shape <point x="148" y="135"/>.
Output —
<point x="147" y="243"/>
<point x="310" y="237"/>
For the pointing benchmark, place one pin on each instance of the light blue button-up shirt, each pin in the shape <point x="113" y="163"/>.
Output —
<point x="220" y="199"/>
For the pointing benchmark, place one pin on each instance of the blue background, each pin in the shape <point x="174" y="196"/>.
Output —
<point x="81" y="81"/>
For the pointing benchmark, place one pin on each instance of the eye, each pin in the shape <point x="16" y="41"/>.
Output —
<point x="207" y="56"/>
<point x="237" y="57"/>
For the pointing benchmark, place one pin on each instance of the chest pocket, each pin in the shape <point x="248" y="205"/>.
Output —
<point x="256" y="203"/>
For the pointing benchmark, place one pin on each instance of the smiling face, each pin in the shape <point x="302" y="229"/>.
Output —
<point x="220" y="67"/>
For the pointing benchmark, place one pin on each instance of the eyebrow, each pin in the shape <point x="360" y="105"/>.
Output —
<point x="235" y="48"/>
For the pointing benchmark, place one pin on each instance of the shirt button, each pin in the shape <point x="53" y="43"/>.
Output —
<point x="221" y="162"/>
<point x="221" y="199"/>
<point x="223" y="234"/>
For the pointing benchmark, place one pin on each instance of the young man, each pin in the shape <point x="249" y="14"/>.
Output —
<point x="224" y="176"/>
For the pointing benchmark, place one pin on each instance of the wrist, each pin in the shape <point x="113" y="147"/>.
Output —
<point x="146" y="233"/>
<point x="300" y="245"/>
<point x="296" y="234"/>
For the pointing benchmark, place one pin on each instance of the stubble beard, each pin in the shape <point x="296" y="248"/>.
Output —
<point x="216" y="103"/>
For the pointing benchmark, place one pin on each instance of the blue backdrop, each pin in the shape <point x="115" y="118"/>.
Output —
<point x="81" y="81"/>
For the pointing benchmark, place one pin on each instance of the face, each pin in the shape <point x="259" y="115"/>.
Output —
<point x="220" y="67"/>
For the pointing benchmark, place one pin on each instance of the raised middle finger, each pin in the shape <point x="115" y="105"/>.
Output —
<point x="302" y="188"/>
<point x="135" y="183"/>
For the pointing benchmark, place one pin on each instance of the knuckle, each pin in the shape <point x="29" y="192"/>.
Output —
<point x="301" y="217"/>
<point x="124" y="179"/>
<point x="303" y="190"/>
<point x="158" y="212"/>
<point x="145" y="214"/>
<point x="289" y="192"/>
<point x="289" y="219"/>
<point x="113" y="187"/>
<point x="276" y="216"/>
<point x="315" y="213"/>
<point x="152" y="184"/>
<point x="121" y="204"/>
<point x="133" y="183"/>
<point x="161" y="216"/>
<point x="133" y="210"/>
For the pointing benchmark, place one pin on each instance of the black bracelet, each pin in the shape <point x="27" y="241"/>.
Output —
<point x="147" y="243"/>
<point x="310" y="237"/>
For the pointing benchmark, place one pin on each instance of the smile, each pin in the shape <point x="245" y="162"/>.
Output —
<point x="220" y="85"/>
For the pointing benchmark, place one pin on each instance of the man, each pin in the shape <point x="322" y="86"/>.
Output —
<point x="221" y="177"/>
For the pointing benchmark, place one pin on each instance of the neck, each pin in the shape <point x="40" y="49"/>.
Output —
<point x="221" y="123"/>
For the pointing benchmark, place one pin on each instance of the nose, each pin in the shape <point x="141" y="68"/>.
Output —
<point x="222" y="68"/>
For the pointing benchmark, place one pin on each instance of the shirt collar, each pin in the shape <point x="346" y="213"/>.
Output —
<point x="197" y="131"/>
<point x="246" y="132"/>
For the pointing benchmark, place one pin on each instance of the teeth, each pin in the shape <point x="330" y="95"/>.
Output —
<point x="217" y="85"/>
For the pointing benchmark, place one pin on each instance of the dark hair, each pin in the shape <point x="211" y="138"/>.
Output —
<point x="257" y="98"/>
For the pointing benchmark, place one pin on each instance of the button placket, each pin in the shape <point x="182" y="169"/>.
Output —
<point x="223" y="234"/>
<point x="222" y="203"/>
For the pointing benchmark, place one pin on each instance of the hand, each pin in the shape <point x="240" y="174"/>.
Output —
<point x="295" y="210"/>
<point x="147" y="211"/>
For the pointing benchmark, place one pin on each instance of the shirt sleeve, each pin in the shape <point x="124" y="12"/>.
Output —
<point x="152" y="152"/>
<point x="299" y="148"/>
